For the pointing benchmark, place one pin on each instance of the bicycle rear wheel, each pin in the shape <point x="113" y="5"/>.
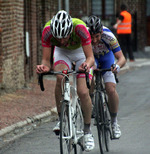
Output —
<point x="99" y="121"/>
<point x="66" y="142"/>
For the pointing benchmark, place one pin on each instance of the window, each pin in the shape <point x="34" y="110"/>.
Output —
<point x="97" y="7"/>
<point x="103" y="8"/>
<point x="109" y="7"/>
<point x="148" y="8"/>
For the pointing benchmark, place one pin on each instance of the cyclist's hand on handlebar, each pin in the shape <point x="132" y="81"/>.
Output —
<point x="115" y="68"/>
<point x="84" y="67"/>
<point x="42" y="69"/>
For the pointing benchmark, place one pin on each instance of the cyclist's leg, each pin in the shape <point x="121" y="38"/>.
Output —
<point x="113" y="101"/>
<point x="86" y="104"/>
<point x="61" y="62"/>
<point x="110" y="86"/>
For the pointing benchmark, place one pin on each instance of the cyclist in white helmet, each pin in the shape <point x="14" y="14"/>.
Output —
<point x="106" y="48"/>
<point x="72" y="43"/>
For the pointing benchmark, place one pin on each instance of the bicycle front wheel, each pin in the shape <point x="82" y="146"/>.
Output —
<point x="99" y="118"/>
<point x="66" y="142"/>
<point x="107" y="124"/>
<point x="79" y="124"/>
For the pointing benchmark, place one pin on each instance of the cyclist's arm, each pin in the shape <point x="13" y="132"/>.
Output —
<point x="115" y="47"/>
<point x="89" y="56"/>
<point x="120" y="58"/>
<point x="46" y="56"/>
<point x="119" y="63"/>
<point x="45" y="66"/>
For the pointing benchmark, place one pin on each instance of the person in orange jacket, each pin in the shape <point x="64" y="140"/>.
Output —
<point x="124" y="30"/>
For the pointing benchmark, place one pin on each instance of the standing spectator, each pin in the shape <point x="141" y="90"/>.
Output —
<point x="124" y="30"/>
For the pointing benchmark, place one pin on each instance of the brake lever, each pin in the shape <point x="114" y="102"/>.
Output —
<point x="40" y="82"/>
<point x="116" y="78"/>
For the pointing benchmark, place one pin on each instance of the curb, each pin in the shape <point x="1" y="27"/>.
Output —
<point x="15" y="131"/>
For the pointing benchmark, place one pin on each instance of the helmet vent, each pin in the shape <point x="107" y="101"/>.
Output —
<point x="56" y="23"/>
<point x="64" y="16"/>
<point x="63" y="24"/>
<point x="58" y="16"/>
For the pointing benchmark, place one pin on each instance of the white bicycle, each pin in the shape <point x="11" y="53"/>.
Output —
<point x="71" y="118"/>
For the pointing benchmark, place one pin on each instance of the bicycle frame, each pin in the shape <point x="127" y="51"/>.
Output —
<point x="67" y="99"/>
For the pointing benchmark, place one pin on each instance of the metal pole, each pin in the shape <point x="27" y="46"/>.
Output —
<point x="59" y="5"/>
<point x="67" y="5"/>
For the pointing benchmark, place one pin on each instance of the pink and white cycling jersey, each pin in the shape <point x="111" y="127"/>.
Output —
<point x="79" y="37"/>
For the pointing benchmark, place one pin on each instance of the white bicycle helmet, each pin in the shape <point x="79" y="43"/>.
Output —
<point x="61" y="24"/>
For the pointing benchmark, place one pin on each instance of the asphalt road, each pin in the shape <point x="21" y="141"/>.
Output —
<point x="134" y="119"/>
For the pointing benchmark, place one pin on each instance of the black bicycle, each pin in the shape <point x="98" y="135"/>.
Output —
<point x="101" y="110"/>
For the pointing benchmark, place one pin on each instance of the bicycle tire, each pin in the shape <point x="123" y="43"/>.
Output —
<point x="66" y="146"/>
<point x="99" y="121"/>
<point x="79" y="125"/>
<point x="107" y="124"/>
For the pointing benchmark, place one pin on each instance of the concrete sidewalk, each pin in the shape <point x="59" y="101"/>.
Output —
<point x="18" y="129"/>
<point x="138" y="63"/>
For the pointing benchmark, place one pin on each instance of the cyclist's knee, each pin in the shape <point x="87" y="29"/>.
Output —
<point x="111" y="90"/>
<point x="59" y="79"/>
<point x="83" y="93"/>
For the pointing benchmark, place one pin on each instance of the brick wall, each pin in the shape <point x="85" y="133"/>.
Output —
<point x="12" y="65"/>
<point x="1" y="53"/>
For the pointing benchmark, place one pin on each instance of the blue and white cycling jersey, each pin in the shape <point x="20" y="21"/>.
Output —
<point x="104" y="51"/>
